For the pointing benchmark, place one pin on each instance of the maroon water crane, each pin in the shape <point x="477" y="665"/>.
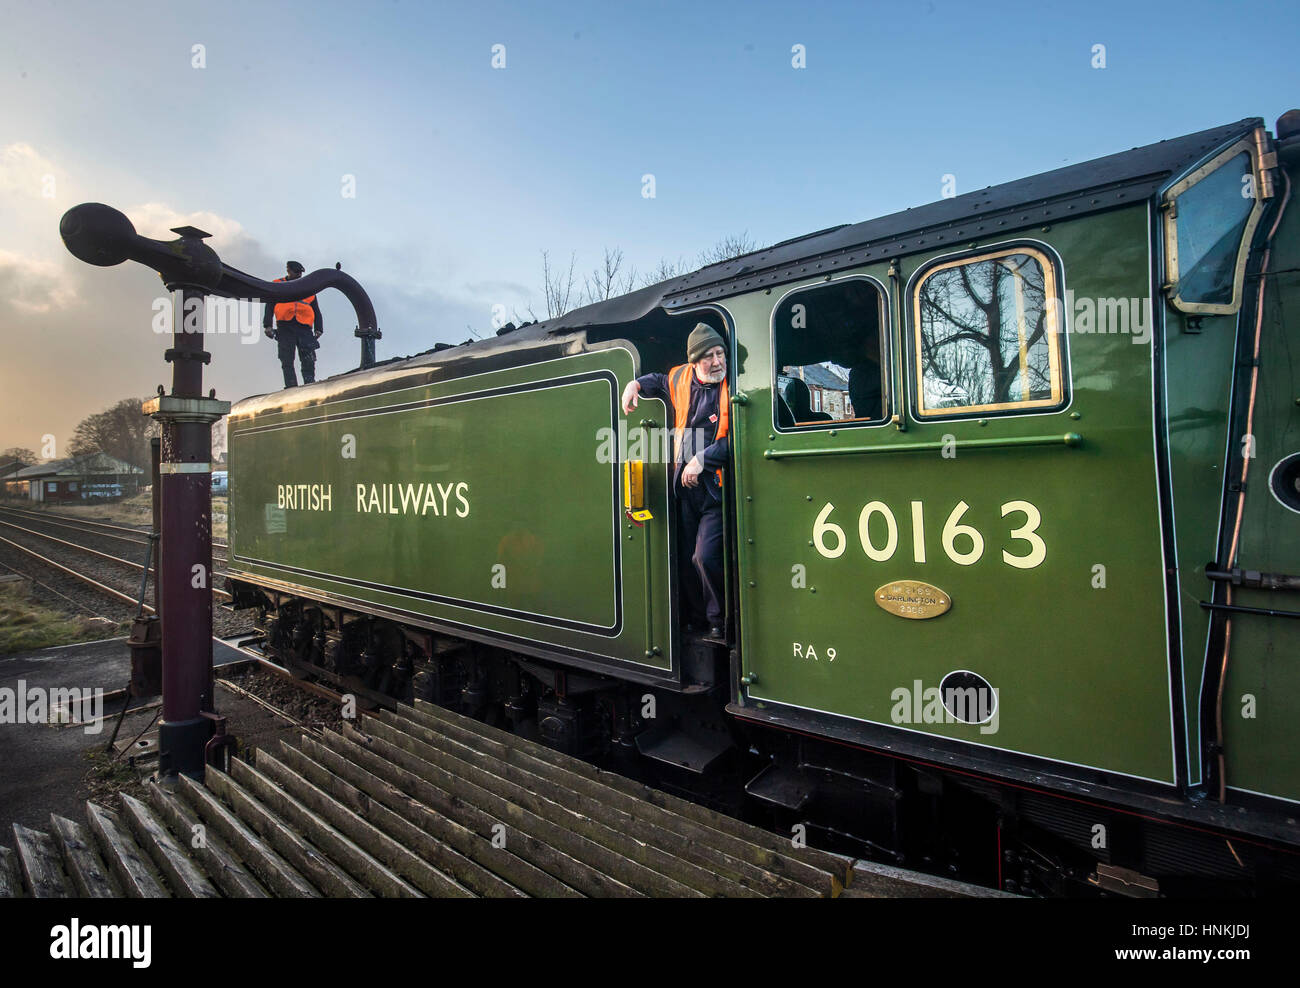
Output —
<point x="191" y="270"/>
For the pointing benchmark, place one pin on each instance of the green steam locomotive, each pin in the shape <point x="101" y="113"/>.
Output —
<point x="1011" y="530"/>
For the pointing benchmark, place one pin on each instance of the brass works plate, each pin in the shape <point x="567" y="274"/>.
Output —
<point x="913" y="599"/>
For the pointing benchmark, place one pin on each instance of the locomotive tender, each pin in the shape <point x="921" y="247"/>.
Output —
<point x="1008" y="566"/>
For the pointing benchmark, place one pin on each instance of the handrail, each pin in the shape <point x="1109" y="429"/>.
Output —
<point x="1072" y="439"/>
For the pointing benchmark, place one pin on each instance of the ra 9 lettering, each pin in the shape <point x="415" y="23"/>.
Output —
<point x="807" y="650"/>
<point x="878" y="533"/>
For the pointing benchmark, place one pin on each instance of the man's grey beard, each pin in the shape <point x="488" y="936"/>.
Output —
<point x="716" y="377"/>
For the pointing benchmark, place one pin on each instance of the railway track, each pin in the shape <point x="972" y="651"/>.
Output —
<point x="122" y="533"/>
<point x="76" y="574"/>
<point x="95" y="582"/>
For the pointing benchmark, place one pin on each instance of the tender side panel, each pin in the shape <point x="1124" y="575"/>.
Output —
<point x="493" y="502"/>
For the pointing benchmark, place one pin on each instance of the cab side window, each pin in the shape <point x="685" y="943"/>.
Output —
<point x="985" y="337"/>
<point x="830" y="366"/>
<point x="1210" y="217"/>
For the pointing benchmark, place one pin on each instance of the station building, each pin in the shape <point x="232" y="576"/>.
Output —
<point x="9" y="485"/>
<point x="828" y="387"/>
<point x="93" y="477"/>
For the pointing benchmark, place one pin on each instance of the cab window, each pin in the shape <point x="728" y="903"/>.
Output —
<point x="985" y="338"/>
<point x="830" y="367"/>
<point x="1209" y="218"/>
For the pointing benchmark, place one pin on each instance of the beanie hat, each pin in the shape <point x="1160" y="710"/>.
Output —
<point x="702" y="339"/>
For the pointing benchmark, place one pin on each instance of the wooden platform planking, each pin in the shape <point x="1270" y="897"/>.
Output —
<point x="11" y="881"/>
<point x="128" y="863"/>
<point x="183" y="875"/>
<point x="347" y="854"/>
<point x="818" y="870"/>
<point x="310" y="862"/>
<point x="383" y="786"/>
<point x="280" y="877"/>
<point x="423" y="801"/>
<point x="219" y="862"/>
<point x="40" y="864"/>
<point x="381" y="846"/>
<point x="90" y="876"/>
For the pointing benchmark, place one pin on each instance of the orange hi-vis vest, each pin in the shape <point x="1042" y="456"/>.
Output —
<point x="296" y="311"/>
<point x="679" y="390"/>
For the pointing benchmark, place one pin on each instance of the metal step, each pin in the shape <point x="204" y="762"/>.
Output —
<point x="781" y="787"/>
<point x="695" y="752"/>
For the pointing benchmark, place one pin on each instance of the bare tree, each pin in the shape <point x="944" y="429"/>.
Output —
<point x="558" y="286"/>
<point x="611" y="278"/>
<point x="727" y="248"/>
<point x="724" y="250"/>
<point x="19" y="453"/>
<point x="667" y="269"/>
<point x="122" y="431"/>
<point x="608" y="280"/>
<point x="978" y="344"/>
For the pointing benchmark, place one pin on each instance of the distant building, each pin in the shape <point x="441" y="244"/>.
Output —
<point x="94" y="477"/>
<point x="8" y="485"/>
<point x="828" y="390"/>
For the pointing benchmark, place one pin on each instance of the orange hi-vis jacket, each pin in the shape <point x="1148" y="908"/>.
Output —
<point x="679" y="388"/>
<point x="295" y="311"/>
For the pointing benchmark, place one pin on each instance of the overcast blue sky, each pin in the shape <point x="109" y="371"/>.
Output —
<point x="464" y="172"/>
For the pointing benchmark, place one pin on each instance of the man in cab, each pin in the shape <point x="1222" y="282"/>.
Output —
<point x="696" y="391"/>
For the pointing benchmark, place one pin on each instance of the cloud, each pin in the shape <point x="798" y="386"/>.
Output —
<point x="34" y="287"/>
<point x="26" y="174"/>
<point x="79" y="338"/>
<point x="503" y="291"/>
<point x="156" y="220"/>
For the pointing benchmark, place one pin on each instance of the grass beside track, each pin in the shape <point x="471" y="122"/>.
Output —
<point x="26" y="624"/>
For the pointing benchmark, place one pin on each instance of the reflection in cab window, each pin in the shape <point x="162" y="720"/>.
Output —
<point x="829" y="360"/>
<point x="1210" y="218"/>
<point x="984" y="338"/>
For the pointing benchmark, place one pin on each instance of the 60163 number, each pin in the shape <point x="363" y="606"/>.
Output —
<point x="963" y="544"/>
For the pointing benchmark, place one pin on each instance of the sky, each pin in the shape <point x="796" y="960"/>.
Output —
<point x="253" y="122"/>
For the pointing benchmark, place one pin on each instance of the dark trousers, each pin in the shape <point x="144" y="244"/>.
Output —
<point x="291" y="337"/>
<point x="700" y="516"/>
